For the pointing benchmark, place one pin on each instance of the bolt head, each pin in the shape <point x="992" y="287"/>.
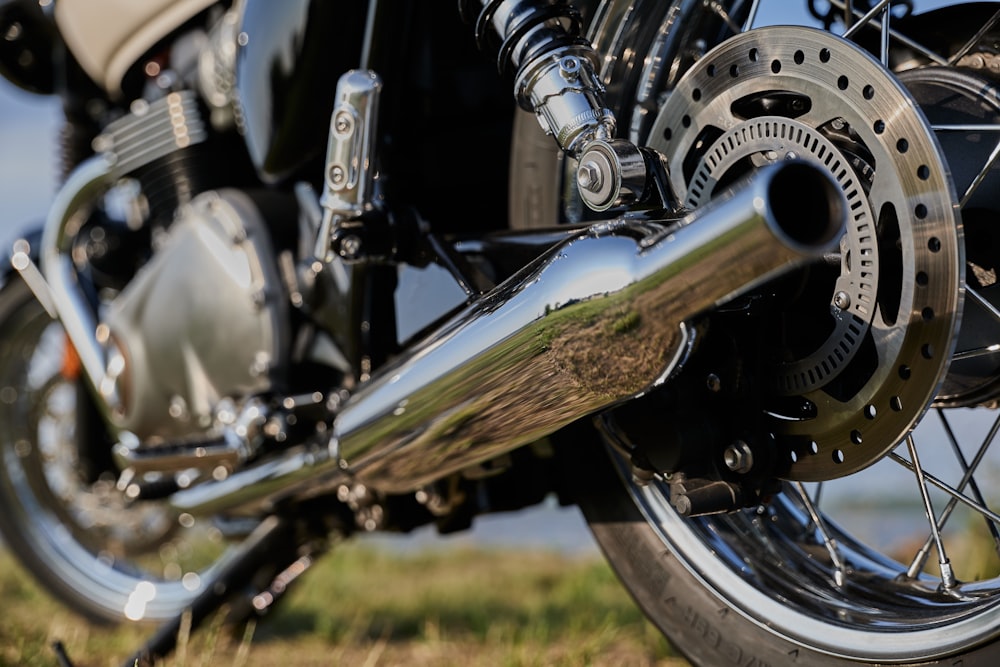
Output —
<point x="569" y="68"/>
<point x="589" y="177"/>
<point x="350" y="246"/>
<point x="738" y="457"/>
<point x="337" y="174"/>
<point x="343" y="124"/>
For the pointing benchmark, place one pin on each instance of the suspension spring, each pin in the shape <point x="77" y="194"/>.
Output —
<point x="539" y="43"/>
<point x="504" y="25"/>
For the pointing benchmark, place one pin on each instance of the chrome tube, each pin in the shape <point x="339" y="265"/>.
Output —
<point x="598" y="319"/>
<point x="72" y="204"/>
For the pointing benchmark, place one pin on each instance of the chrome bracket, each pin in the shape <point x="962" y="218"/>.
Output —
<point x="557" y="80"/>
<point x="351" y="172"/>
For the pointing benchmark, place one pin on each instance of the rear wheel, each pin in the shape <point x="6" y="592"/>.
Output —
<point x="822" y="378"/>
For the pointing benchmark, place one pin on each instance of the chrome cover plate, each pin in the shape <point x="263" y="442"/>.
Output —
<point x="203" y="321"/>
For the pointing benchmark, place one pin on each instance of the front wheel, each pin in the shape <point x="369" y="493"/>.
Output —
<point x="62" y="512"/>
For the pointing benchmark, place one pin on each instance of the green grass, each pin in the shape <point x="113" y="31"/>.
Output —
<point x="362" y="606"/>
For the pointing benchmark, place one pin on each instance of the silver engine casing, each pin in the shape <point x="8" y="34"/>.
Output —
<point x="203" y="321"/>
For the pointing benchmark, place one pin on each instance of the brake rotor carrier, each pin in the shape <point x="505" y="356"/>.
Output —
<point x="779" y="93"/>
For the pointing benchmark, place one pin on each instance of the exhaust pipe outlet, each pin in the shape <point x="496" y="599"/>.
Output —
<point x="597" y="319"/>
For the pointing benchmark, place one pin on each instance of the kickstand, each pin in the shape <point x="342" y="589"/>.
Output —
<point x="267" y="546"/>
<point x="61" y="656"/>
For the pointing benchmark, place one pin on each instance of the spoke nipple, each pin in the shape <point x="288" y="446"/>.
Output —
<point x="948" y="580"/>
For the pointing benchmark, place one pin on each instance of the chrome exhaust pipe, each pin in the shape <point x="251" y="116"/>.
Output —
<point x="598" y="319"/>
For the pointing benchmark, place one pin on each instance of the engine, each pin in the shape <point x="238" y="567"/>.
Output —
<point x="175" y="244"/>
<point x="172" y="360"/>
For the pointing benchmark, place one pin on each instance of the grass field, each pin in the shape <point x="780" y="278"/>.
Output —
<point x="367" y="607"/>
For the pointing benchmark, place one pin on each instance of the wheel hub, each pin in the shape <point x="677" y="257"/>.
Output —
<point x="864" y="358"/>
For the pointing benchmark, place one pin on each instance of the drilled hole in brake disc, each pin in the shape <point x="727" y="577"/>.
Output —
<point x="855" y="343"/>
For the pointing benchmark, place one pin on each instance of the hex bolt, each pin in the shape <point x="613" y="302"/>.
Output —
<point x="589" y="177"/>
<point x="738" y="457"/>
<point x="714" y="383"/>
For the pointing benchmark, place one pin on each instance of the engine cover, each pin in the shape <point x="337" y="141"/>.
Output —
<point x="204" y="320"/>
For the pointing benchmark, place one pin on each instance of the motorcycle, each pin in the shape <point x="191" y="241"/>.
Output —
<point x="323" y="269"/>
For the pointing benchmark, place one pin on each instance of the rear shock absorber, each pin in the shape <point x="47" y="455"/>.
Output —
<point x="539" y="44"/>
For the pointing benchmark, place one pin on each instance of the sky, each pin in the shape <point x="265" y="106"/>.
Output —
<point x="28" y="157"/>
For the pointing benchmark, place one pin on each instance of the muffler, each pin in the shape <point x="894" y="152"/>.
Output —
<point x="598" y="319"/>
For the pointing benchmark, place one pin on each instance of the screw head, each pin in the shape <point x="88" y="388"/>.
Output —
<point x="343" y="123"/>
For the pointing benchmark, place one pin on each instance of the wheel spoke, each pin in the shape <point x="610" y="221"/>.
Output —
<point x="828" y="542"/>
<point x="968" y="46"/>
<point x="965" y="127"/>
<point x="721" y="12"/>
<point x="956" y="494"/>
<point x="751" y="15"/>
<point x="866" y="19"/>
<point x="973" y="485"/>
<point x="976" y="352"/>
<point x="981" y="176"/>
<point x="885" y="35"/>
<point x="895" y="35"/>
<point x="974" y="296"/>
<point x="973" y="128"/>
<point x="947" y="574"/>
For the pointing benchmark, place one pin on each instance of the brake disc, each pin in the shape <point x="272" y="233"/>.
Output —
<point x="847" y="386"/>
